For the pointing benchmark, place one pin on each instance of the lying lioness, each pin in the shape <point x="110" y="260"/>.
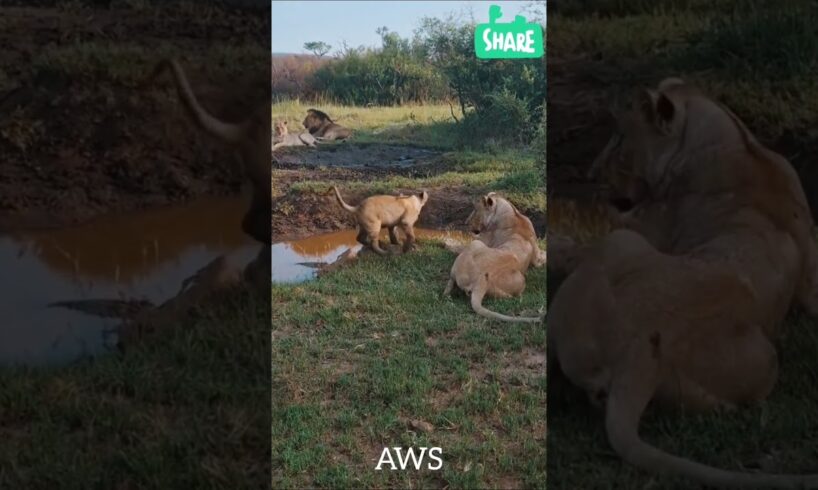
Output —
<point x="631" y="325"/>
<point x="699" y="182"/>
<point x="377" y="212"/>
<point x="495" y="264"/>
<point x="282" y="137"/>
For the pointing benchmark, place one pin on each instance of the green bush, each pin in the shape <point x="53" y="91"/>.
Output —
<point x="498" y="99"/>
<point x="502" y="117"/>
<point x="449" y="46"/>
<point x="395" y="74"/>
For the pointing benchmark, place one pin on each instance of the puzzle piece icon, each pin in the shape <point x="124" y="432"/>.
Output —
<point x="494" y="13"/>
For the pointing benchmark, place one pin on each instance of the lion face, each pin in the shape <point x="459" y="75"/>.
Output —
<point x="280" y="128"/>
<point x="314" y="121"/>
<point x="637" y="156"/>
<point x="483" y="213"/>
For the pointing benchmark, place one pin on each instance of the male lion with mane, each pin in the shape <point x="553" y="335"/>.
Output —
<point x="319" y="124"/>
<point x="682" y="305"/>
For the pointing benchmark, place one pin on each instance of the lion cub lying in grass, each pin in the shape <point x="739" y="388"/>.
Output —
<point x="495" y="264"/>
<point x="283" y="137"/>
<point x="377" y="212"/>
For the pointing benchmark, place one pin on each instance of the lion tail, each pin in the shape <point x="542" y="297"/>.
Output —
<point x="625" y="404"/>
<point x="346" y="206"/>
<point x="477" y="295"/>
<point x="227" y="132"/>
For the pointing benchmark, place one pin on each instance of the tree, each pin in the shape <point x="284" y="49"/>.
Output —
<point x="318" y="48"/>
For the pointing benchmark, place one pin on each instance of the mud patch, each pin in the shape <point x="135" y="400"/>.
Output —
<point x="524" y="367"/>
<point x="300" y="260"/>
<point x="136" y="260"/>
<point x="356" y="155"/>
<point x="77" y="140"/>
<point x="300" y="214"/>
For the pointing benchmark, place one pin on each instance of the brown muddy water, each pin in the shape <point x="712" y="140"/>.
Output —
<point x="295" y="261"/>
<point x="144" y="255"/>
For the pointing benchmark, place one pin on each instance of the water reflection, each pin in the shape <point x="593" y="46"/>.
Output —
<point x="292" y="260"/>
<point x="143" y="255"/>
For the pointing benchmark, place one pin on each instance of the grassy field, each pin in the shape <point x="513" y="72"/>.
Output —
<point x="186" y="409"/>
<point x="474" y="170"/>
<point x="361" y="353"/>
<point x="758" y="61"/>
<point x="427" y="125"/>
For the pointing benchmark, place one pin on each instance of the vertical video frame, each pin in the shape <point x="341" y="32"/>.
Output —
<point x="408" y="255"/>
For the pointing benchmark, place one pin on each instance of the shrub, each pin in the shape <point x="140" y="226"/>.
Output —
<point x="503" y="116"/>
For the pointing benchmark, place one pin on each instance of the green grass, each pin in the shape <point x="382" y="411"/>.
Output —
<point x="185" y="409"/>
<point x="757" y="59"/>
<point x="428" y="125"/>
<point x="360" y="350"/>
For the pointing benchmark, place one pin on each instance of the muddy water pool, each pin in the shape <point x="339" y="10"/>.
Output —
<point x="143" y="256"/>
<point x="295" y="261"/>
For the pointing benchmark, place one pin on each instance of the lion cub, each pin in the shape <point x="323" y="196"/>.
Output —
<point x="284" y="138"/>
<point x="377" y="212"/>
<point x="495" y="264"/>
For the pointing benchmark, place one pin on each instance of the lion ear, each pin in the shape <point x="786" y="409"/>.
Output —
<point x="488" y="201"/>
<point x="665" y="112"/>
<point x="657" y="108"/>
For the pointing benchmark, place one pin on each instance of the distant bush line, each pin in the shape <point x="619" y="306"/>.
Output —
<point x="500" y="99"/>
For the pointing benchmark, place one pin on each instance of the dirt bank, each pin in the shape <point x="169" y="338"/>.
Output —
<point x="299" y="214"/>
<point x="79" y="139"/>
<point x="304" y="212"/>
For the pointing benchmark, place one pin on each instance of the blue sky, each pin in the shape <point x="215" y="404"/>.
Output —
<point x="297" y="22"/>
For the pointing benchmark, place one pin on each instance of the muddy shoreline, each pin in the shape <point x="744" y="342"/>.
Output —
<point x="299" y="214"/>
<point x="81" y="138"/>
<point x="447" y="209"/>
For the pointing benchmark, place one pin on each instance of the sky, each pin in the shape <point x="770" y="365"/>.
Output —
<point x="297" y="22"/>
